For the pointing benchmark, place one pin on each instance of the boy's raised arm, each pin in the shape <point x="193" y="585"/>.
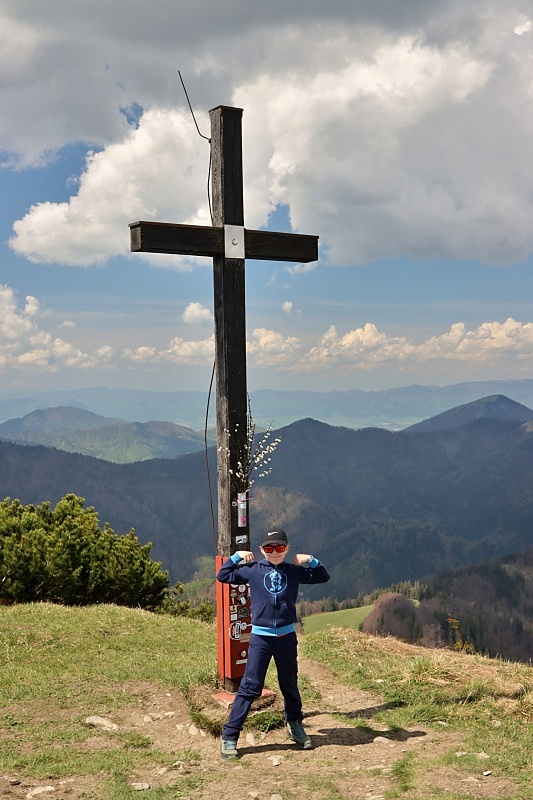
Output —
<point x="244" y="555"/>
<point x="229" y="571"/>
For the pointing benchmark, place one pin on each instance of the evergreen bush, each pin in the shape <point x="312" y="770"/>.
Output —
<point x="61" y="555"/>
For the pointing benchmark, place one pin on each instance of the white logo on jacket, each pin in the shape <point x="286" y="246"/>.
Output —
<point x="275" y="581"/>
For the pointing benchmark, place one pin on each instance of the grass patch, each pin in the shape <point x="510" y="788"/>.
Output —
<point x="265" y="721"/>
<point x="309" y="693"/>
<point x="55" y="651"/>
<point x="347" y="618"/>
<point x="327" y="788"/>
<point x="118" y="790"/>
<point x="60" y="665"/>
<point x="488" y="700"/>
<point x="403" y="771"/>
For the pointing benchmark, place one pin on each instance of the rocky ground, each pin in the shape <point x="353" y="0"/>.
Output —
<point x="348" y="763"/>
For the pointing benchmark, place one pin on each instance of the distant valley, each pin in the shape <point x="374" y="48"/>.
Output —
<point x="394" y="408"/>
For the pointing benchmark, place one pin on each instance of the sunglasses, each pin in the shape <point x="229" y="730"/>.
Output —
<point x="279" y="548"/>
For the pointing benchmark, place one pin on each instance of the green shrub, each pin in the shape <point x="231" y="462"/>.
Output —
<point x="61" y="555"/>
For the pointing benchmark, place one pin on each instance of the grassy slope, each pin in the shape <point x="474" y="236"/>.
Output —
<point x="347" y="618"/>
<point x="59" y="665"/>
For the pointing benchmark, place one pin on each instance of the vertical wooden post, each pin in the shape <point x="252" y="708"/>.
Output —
<point x="230" y="339"/>
<point x="230" y="325"/>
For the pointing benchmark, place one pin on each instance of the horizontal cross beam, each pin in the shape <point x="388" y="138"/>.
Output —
<point x="200" y="240"/>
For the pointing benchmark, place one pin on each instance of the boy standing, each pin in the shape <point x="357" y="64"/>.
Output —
<point x="273" y="590"/>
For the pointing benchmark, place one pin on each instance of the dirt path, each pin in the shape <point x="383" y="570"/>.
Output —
<point x="348" y="763"/>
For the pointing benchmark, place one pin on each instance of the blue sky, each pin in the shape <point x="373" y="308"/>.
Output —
<point x="400" y="133"/>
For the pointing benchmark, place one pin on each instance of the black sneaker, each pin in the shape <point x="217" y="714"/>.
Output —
<point x="228" y="749"/>
<point x="296" y="732"/>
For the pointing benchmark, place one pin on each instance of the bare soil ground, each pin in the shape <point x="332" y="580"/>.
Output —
<point x="347" y="762"/>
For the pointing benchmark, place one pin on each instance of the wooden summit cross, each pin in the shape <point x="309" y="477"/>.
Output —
<point x="229" y="244"/>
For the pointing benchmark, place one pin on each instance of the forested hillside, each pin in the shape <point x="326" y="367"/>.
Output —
<point x="486" y="608"/>
<point x="378" y="507"/>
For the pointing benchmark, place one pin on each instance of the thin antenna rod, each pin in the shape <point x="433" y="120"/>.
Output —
<point x="190" y="107"/>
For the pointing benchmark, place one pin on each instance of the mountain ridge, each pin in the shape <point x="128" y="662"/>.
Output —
<point x="493" y="407"/>
<point x="94" y="435"/>
<point x="378" y="506"/>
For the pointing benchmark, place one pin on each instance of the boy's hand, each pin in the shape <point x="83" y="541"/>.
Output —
<point x="245" y="555"/>
<point x="302" y="558"/>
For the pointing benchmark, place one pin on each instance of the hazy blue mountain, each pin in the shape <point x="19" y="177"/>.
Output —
<point x="392" y="408"/>
<point x="495" y="407"/>
<point x="78" y="431"/>
<point x="131" y="405"/>
<point x="377" y="506"/>
<point x="54" y="420"/>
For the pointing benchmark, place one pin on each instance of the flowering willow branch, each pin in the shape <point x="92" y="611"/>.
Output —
<point x="255" y="457"/>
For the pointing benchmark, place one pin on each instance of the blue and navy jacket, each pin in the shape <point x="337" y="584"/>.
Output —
<point x="273" y="590"/>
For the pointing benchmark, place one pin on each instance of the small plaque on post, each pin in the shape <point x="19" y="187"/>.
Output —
<point x="234" y="241"/>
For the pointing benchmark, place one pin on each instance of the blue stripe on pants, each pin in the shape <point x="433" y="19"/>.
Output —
<point x="261" y="649"/>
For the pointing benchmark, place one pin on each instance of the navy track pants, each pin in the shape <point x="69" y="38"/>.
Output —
<point x="261" y="649"/>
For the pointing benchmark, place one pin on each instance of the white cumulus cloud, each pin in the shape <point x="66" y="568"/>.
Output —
<point x="190" y="352"/>
<point x="141" y="353"/>
<point x="157" y="172"/>
<point x="24" y="345"/>
<point x="288" y="308"/>
<point x="271" y="348"/>
<point x="367" y="347"/>
<point x="384" y="131"/>
<point x="196" y="312"/>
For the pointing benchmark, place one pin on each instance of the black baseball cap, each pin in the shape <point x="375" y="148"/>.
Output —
<point x="274" y="536"/>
